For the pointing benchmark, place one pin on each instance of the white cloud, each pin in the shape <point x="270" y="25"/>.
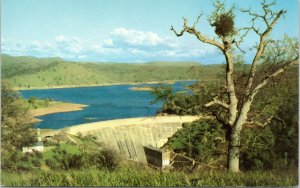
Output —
<point x="60" y="38"/>
<point x="135" y="37"/>
<point x="39" y="46"/>
<point x="69" y="44"/>
<point x="123" y="44"/>
<point x="14" y="48"/>
<point x="170" y="52"/>
<point x="137" y="51"/>
<point x="150" y="44"/>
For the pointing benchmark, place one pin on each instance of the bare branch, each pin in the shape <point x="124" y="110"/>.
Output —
<point x="218" y="117"/>
<point x="241" y="38"/>
<point x="260" y="50"/>
<point x="265" y="123"/>
<point x="247" y="30"/>
<point x="176" y="33"/>
<point x="182" y="31"/>
<point x="217" y="102"/>
<point x="269" y="18"/>
<point x="238" y="47"/>
<point x="274" y="74"/>
<point x="196" y="22"/>
<point x="199" y="36"/>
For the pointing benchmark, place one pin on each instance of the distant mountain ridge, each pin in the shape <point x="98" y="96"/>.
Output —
<point x="174" y="63"/>
<point x="30" y="72"/>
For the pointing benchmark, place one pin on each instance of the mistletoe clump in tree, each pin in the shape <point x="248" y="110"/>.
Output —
<point x="232" y="104"/>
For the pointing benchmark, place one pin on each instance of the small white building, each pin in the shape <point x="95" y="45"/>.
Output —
<point x="38" y="146"/>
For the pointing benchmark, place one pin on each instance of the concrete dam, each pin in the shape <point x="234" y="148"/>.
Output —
<point x="129" y="136"/>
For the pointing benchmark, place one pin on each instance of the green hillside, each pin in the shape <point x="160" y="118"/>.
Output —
<point x="12" y="66"/>
<point x="29" y="72"/>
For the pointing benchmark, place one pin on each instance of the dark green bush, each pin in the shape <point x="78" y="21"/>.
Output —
<point x="285" y="131"/>
<point x="25" y="158"/>
<point x="6" y="162"/>
<point x="107" y="158"/>
<point x="52" y="163"/>
<point x="76" y="161"/>
<point x="36" y="163"/>
<point x="66" y="160"/>
<point x="38" y="154"/>
<point x="203" y="140"/>
<point x="32" y="100"/>
<point x="257" y="148"/>
<point x="24" y="166"/>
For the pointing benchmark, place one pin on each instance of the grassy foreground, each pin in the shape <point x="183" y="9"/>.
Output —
<point x="129" y="176"/>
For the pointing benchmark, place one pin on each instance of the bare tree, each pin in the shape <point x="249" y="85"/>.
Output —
<point x="271" y="58"/>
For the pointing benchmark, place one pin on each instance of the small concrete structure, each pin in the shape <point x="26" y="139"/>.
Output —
<point x="157" y="157"/>
<point x="38" y="146"/>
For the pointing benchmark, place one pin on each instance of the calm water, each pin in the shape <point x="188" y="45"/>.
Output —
<point x="105" y="103"/>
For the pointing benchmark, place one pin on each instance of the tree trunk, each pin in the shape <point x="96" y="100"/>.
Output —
<point x="234" y="142"/>
<point x="234" y="151"/>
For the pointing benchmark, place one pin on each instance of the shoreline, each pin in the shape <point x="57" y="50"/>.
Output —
<point x="56" y="108"/>
<point x="97" y="85"/>
<point x="141" y="88"/>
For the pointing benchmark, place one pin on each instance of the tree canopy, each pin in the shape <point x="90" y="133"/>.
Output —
<point x="15" y="119"/>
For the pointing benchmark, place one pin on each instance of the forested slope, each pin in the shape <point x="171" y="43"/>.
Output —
<point x="30" y="72"/>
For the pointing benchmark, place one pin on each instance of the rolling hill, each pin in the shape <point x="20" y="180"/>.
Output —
<point x="12" y="66"/>
<point x="29" y="72"/>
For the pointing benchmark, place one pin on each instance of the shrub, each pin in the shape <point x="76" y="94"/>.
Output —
<point x="203" y="141"/>
<point x="25" y="158"/>
<point x="32" y="100"/>
<point x="36" y="163"/>
<point x="76" y="161"/>
<point x="66" y="160"/>
<point x="24" y="166"/>
<point x="38" y="154"/>
<point x="257" y="145"/>
<point x="6" y="162"/>
<point x="52" y="163"/>
<point x="107" y="158"/>
<point x="15" y="156"/>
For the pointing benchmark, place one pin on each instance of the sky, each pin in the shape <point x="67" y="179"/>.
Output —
<point x="134" y="31"/>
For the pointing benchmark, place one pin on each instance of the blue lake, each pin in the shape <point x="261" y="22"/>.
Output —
<point x="105" y="103"/>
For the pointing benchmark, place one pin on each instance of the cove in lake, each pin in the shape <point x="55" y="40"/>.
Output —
<point x="105" y="103"/>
